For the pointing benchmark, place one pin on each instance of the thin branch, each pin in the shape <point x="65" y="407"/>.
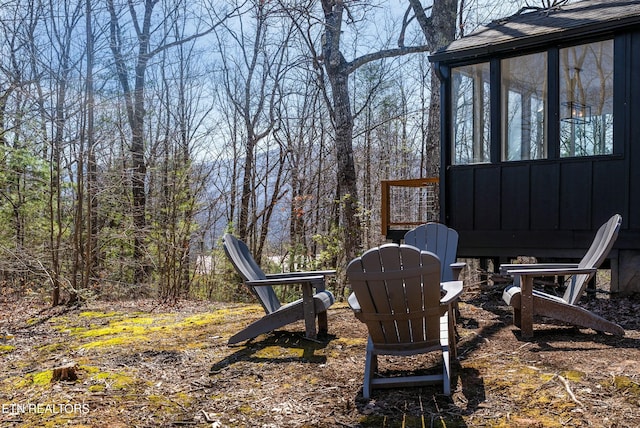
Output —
<point x="569" y="391"/>
<point x="386" y="53"/>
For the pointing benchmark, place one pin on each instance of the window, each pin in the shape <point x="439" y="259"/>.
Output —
<point x="586" y="99"/>
<point x="471" y="124"/>
<point x="524" y="107"/>
<point x="582" y="109"/>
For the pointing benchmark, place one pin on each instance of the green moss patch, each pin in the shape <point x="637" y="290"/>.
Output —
<point x="273" y="352"/>
<point x="629" y="387"/>
<point x="43" y="378"/>
<point x="116" y="328"/>
<point x="97" y="314"/>
<point x="5" y="349"/>
<point x="113" y="380"/>
<point x="115" y="341"/>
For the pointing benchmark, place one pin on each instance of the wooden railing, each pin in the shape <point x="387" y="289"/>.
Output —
<point x="408" y="203"/>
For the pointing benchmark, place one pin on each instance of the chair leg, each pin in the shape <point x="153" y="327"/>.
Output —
<point x="323" y="326"/>
<point x="516" y="317"/>
<point x="453" y="332"/>
<point x="446" y="372"/>
<point x="370" y="367"/>
<point x="448" y="347"/>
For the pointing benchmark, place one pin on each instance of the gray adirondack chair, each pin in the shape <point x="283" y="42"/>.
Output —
<point x="310" y="307"/>
<point x="442" y="241"/>
<point x="527" y="302"/>
<point x="398" y="295"/>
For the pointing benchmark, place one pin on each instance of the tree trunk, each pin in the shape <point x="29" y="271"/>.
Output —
<point x="338" y="74"/>
<point x="247" y="190"/>
<point x="134" y="100"/>
<point x="347" y="179"/>
<point x="440" y="30"/>
<point x="91" y="244"/>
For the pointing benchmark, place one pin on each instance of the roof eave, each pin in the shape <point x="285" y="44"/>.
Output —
<point x="535" y="41"/>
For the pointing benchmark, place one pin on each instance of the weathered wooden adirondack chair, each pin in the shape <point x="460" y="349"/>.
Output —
<point x="527" y="302"/>
<point x="442" y="241"/>
<point x="311" y="306"/>
<point x="398" y="295"/>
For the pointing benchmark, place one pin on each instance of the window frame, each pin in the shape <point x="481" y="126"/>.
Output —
<point x="525" y="131"/>
<point x="552" y="120"/>
<point x="477" y="123"/>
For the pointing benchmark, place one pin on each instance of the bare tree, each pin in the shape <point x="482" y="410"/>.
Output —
<point x="89" y="141"/>
<point x="175" y="184"/>
<point x="62" y="30"/>
<point x="253" y="68"/>
<point x="302" y="130"/>
<point x="17" y="30"/>
<point x="439" y="29"/>
<point x="337" y="69"/>
<point x="145" y="32"/>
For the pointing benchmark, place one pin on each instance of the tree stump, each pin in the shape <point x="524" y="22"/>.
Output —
<point x="66" y="372"/>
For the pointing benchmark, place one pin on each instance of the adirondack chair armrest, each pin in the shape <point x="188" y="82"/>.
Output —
<point x="353" y="303"/>
<point x="504" y="269"/>
<point x="551" y="271"/>
<point x="355" y="306"/>
<point x="452" y="290"/>
<point x="456" y="268"/>
<point x="301" y="274"/>
<point x="314" y="280"/>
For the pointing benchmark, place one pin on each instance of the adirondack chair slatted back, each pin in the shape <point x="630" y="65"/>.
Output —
<point x="438" y="239"/>
<point x="398" y="288"/>
<point x="242" y="260"/>
<point x="597" y="252"/>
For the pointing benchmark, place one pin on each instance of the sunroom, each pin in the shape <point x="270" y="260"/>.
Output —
<point x="540" y="134"/>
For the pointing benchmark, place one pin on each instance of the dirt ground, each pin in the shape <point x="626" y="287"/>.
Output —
<point x="138" y="364"/>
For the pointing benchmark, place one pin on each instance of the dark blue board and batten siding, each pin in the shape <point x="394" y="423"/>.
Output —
<point x="546" y="207"/>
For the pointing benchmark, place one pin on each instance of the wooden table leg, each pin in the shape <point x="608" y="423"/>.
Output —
<point x="309" y="310"/>
<point x="526" y="306"/>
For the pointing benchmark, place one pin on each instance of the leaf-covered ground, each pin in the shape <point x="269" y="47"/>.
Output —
<point x="142" y="365"/>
